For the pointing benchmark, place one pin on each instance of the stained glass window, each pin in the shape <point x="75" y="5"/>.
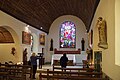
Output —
<point x="67" y="35"/>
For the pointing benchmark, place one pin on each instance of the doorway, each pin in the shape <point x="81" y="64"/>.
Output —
<point x="98" y="60"/>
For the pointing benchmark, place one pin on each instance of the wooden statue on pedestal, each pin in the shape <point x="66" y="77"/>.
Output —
<point x="51" y="45"/>
<point x="83" y="44"/>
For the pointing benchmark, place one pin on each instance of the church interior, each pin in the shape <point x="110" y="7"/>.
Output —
<point x="87" y="31"/>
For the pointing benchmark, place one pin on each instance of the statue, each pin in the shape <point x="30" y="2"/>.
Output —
<point x="51" y="45"/>
<point x="83" y="44"/>
<point x="25" y="56"/>
<point x="13" y="51"/>
<point x="101" y="24"/>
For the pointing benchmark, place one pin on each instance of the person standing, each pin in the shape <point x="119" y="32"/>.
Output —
<point x="25" y="56"/>
<point x="83" y="44"/>
<point x="63" y="61"/>
<point x="33" y="60"/>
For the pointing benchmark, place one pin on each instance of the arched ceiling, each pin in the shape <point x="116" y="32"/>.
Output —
<point x="42" y="13"/>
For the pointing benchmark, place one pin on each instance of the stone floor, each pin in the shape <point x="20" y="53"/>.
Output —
<point x="44" y="67"/>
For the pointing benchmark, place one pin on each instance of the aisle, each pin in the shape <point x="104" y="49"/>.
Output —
<point x="49" y="66"/>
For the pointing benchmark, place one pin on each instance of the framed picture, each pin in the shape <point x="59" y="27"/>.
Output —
<point x="26" y="38"/>
<point x="42" y="39"/>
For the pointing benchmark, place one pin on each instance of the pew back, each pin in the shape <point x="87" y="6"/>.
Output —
<point x="70" y="75"/>
<point x="73" y="69"/>
<point x="14" y="72"/>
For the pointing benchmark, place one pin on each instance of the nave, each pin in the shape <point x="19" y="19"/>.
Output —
<point x="22" y="8"/>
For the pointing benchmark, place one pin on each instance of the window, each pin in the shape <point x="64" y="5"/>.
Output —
<point x="67" y="35"/>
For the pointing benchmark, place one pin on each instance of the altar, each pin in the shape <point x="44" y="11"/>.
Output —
<point x="77" y="58"/>
<point x="58" y="56"/>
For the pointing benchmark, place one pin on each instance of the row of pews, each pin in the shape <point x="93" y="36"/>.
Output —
<point x="15" y="72"/>
<point x="69" y="73"/>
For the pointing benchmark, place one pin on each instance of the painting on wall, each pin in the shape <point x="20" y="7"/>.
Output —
<point x="102" y="30"/>
<point x="26" y="38"/>
<point x="42" y="39"/>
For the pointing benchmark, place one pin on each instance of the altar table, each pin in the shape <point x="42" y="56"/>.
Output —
<point x="58" y="56"/>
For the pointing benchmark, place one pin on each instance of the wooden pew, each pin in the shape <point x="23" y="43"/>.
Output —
<point x="4" y="75"/>
<point x="74" y="69"/>
<point x="15" y="72"/>
<point x="69" y="75"/>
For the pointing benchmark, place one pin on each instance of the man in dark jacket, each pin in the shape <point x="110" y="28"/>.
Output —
<point x="63" y="61"/>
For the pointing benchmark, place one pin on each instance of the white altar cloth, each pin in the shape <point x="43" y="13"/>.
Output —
<point x="77" y="58"/>
<point x="58" y="56"/>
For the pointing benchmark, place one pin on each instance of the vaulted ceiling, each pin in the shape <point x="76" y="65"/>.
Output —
<point x="42" y="13"/>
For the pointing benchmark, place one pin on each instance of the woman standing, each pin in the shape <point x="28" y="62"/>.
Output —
<point x="33" y="60"/>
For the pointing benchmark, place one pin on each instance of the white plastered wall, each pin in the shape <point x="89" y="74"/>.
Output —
<point x="15" y="27"/>
<point x="106" y="9"/>
<point x="54" y="33"/>
<point x="5" y="48"/>
<point x="117" y="32"/>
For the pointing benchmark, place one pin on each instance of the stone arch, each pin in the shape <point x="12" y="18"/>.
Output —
<point x="5" y="36"/>
<point x="80" y="30"/>
<point x="7" y="47"/>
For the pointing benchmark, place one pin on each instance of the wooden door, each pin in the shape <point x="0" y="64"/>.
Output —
<point x="98" y="60"/>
